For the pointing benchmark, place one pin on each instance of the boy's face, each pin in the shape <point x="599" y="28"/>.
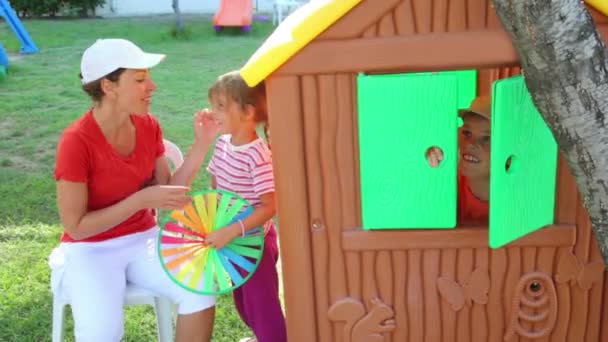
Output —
<point x="474" y="146"/>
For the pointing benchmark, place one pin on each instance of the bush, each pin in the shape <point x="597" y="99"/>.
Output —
<point x="84" y="8"/>
<point x="52" y="8"/>
<point x="36" y="8"/>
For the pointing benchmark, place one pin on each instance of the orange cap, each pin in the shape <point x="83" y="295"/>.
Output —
<point x="481" y="105"/>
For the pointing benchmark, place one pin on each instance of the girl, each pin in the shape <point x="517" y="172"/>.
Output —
<point x="242" y="163"/>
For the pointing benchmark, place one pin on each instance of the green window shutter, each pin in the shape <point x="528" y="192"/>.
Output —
<point x="467" y="86"/>
<point x="400" y="117"/>
<point x="522" y="198"/>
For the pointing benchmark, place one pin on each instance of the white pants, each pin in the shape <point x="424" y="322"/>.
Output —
<point x="93" y="276"/>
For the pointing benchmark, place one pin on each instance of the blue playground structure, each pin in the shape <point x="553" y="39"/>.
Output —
<point x="3" y="62"/>
<point x="3" y="56"/>
<point x="27" y="43"/>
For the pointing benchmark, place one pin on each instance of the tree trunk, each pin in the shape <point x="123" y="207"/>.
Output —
<point x="179" y="22"/>
<point x="565" y="67"/>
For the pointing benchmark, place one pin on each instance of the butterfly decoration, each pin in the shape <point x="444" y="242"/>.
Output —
<point x="475" y="289"/>
<point x="570" y="268"/>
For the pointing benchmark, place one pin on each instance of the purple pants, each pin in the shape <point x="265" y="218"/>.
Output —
<point x="257" y="301"/>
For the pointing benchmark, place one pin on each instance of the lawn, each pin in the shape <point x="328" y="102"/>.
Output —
<point x="41" y="96"/>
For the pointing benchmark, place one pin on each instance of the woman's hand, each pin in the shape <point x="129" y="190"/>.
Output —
<point x="205" y="127"/>
<point x="221" y="237"/>
<point x="163" y="197"/>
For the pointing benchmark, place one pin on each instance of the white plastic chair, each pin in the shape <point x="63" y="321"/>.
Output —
<point x="173" y="153"/>
<point x="282" y="8"/>
<point x="163" y="307"/>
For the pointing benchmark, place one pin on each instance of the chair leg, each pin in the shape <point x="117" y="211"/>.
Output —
<point x="58" y="319"/>
<point x="164" y="318"/>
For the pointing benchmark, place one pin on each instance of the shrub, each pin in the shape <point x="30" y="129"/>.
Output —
<point x="52" y="8"/>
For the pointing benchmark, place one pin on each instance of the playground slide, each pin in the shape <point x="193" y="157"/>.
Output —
<point x="233" y="13"/>
<point x="27" y="44"/>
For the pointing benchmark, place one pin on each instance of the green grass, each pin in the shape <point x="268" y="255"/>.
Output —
<point x="39" y="97"/>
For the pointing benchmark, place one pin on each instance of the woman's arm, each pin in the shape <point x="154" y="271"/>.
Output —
<point x="80" y="224"/>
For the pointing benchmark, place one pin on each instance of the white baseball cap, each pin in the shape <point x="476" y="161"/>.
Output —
<point x="108" y="55"/>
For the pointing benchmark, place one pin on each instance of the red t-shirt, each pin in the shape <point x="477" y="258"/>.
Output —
<point x="84" y="155"/>
<point x="470" y="208"/>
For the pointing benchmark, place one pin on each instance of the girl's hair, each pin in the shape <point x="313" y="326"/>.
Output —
<point x="93" y="89"/>
<point x="233" y="86"/>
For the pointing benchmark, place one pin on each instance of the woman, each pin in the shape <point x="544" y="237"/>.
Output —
<point x="111" y="175"/>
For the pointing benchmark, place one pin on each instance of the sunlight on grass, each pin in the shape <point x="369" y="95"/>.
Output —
<point x="39" y="98"/>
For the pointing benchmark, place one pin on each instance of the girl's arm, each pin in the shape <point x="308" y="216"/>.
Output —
<point x="186" y="173"/>
<point x="260" y="215"/>
<point x="205" y="131"/>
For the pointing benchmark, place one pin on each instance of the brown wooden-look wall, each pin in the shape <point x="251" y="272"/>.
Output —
<point x="327" y="258"/>
<point x="385" y="18"/>
<point x="405" y="17"/>
<point x="319" y="167"/>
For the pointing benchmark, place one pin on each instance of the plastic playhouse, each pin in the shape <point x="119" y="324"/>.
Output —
<point x="371" y="249"/>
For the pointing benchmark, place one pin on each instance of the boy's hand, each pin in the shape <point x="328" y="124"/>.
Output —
<point x="205" y="127"/>
<point x="221" y="237"/>
<point x="434" y="155"/>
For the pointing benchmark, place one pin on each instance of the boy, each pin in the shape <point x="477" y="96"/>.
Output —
<point x="473" y="161"/>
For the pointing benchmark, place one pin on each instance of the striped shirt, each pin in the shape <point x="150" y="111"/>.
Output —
<point x="245" y="169"/>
